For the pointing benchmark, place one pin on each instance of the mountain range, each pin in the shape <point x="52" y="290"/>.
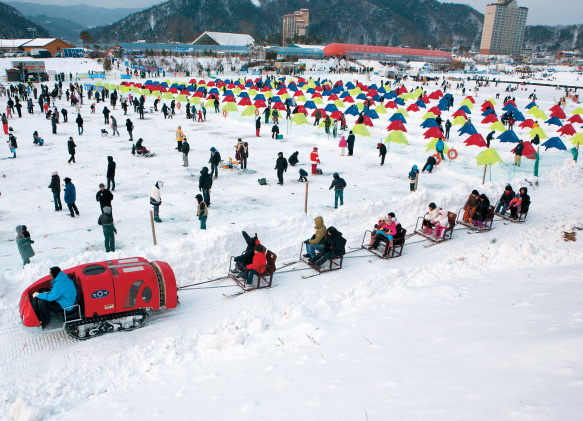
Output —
<point x="15" y="25"/>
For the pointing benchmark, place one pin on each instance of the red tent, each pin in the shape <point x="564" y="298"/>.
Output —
<point x="403" y="90"/>
<point x="210" y="84"/>
<point x="575" y="119"/>
<point x="324" y="115"/>
<point x="266" y="89"/>
<point x="391" y="104"/>
<point x="282" y="91"/>
<point x="245" y="101"/>
<point x="434" y="96"/>
<point x="439" y="93"/>
<point x="560" y="114"/>
<point x="367" y="121"/>
<point x="259" y="103"/>
<point x="435" y="111"/>
<point x="555" y="107"/>
<point x="333" y="97"/>
<point x="510" y="102"/>
<point x="372" y="92"/>
<point x="199" y="94"/>
<point x="486" y="105"/>
<point x="185" y="92"/>
<point x="302" y="109"/>
<point x="528" y="150"/>
<point x="319" y="89"/>
<point x="527" y="124"/>
<point x="433" y="132"/>
<point x="173" y="90"/>
<point x="425" y="99"/>
<point x="336" y="115"/>
<point x="413" y="107"/>
<point x="471" y="99"/>
<point x="397" y="125"/>
<point x="278" y="105"/>
<point x="490" y="118"/>
<point x="348" y="99"/>
<point x="300" y="93"/>
<point x="229" y="98"/>
<point x="363" y="88"/>
<point x="476" y="140"/>
<point x="567" y="130"/>
<point x="316" y="95"/>
<point x="460" y="113"/>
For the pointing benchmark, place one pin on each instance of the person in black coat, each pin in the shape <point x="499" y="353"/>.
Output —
<point x="246" y="258"/>
<point x="429" y="164"/>
<point x="334" y="246"/>
<point x="281" y="167"/>
<point x="382" y="152"/>
<point x="257" y="126"/>
<point x="185" y="149"/>
<point x="54" y="123"/>
<point x="490" y="137"/>
<point x="71" y="145"/>
<point x="130" y="128"/>
<point x="79" y="122"/>
<point x="481" y="213"/>
<point x="111" y="165"/>
<point x="55" y="187"/>
<point x="205" y="183"/>
<point x="65" y="115"/>
<point x="106" y="113"/>
<point x="518" y="153"/>
<point x="350" y="143"/>
<point x="274" y="131"/>
<point x="103" y="196"/>
<point x="215" y="160"/>
<point x="293" y="159"/>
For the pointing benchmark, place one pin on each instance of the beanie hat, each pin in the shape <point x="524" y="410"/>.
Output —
<point x="54" y="173"/>
<point x="55" y="270"/>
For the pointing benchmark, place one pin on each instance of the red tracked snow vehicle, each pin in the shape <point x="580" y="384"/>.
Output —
<point x="112" y="296"/>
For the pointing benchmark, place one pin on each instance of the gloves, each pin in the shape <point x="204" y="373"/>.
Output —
<point x="35" y="295"/>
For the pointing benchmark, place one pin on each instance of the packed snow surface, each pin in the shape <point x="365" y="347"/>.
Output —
<point x="485" y="326"/>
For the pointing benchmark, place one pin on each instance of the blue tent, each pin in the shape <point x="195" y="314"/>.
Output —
<point x="398" y="116"/>
<point x="243" y="94"/>
<point x="327" y="92"/>
<point x="213" y="91"/>
<point x="442" y="106"/>
<point x="518" y="116"/>
<point x="382" y="90"/>
<point x="165" y="84"/>
<point x="311" y="91"/>
<point x="190" y="88"/>
<point x="248" y="84"/>
<point x="399" y="101"/>
<point x="465" y="109"/>
<point x="377" y="98"/>
<point x="374" y="86"/>
<point x="428" y="123"/>
<point x="390" y="95"/>
<point x="372" y="114"/>
<point x="276" y="99"/>
<point x="330" y="108"/>
<point x="509" y="107"/>
<point x="532" y="104"/>
<point x="344" y="94"/>
<point x="361" y="96"/>
<point x="467" y="128"/>
<point x="350" y="85"/>
<point x="420" y="104"/>
<point x="554" y="142"/>
<point x="259" y="96"/>
<point x="352" y="110"/>
<point x="337" y="89"/>
<point x="508" y="136"/>
<point x="488" y="112"/>
<point x="229" y="92"/>
<point x="554" y="121"/>
<point x="310" y="105"/>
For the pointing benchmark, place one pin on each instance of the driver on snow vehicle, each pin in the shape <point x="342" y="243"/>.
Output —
<point x="62" y="295"/>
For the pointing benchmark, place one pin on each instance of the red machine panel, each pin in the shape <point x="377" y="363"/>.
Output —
<point x="169" y="284"/>
<point x="136" y="286"/>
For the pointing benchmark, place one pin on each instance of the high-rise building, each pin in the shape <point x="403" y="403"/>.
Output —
<point x="503" y="31"/>
<point x="295" y="24"/>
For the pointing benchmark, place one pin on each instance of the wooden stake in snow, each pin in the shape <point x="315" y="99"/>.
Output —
<point x="484" y="177"/>
<point x="153" y="228"/>
<point x="306" y="200"/>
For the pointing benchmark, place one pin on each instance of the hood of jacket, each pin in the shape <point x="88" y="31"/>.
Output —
<point x="319" y="221"/>
<point x="110" y="158"/>
<point x="19" y="232"/>
<point x="159" y="184"/>
<point x="204" y="170"/>
<point x="67" y="180"/>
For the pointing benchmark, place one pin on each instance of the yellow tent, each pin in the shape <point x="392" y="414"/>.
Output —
<point x="403" y="112"/>
<point x="578" y="110"/>
<point x="195" y="100"/>
<point x="361" y="130"/>
<point x="396" y="136"/>
<point x="577" y="139"/>
<point x="459" y="121"/>
<point x="380" y="109"/>
<point x="299" y="119"/>
<point x="431" y="146"/>
<point x="230" y="106"/>
<point x="468" y="103"/>
<point x="428" y="115"/>
<point x="538" y="130"/>
<point x="340" y="104"/>
<point x="498" y="126"/>
<point x="249" y="111"/>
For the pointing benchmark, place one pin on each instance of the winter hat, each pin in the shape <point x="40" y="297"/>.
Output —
<point x="508" y="188"/>
<point x="432" y="205"/>
<point x="55" y="270"/>
<point x="336" y="175"/>
<point x="378" y="145"/>
<point x="415" y="168"/>
<point x="159" y="184"/>
<point x="101" y="185"/>
<point x="382" y="217"/>
<point x="54" y="173"/>
<point x="67" y="180"/>
<point x="475" y="192"/>
<point x="280" y="154"/>
<point x="198" y="197"/>
<point x="213" y="149"/>
<point x="315" y="148"/>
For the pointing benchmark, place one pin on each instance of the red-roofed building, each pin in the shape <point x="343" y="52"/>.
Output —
<point x="392" y="54"/>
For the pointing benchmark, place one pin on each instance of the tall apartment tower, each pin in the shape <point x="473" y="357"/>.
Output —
<point x="503" y="31"/>
<point x="295" y="24"/>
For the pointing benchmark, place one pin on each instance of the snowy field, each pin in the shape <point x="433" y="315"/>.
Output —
<point x="486" y="326"/>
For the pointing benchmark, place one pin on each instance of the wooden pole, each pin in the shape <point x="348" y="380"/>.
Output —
<point x="153" y="228"/>
<point x="416" y="181"/>
<point x="484" y="177"/>
<point x="306" y="200"/>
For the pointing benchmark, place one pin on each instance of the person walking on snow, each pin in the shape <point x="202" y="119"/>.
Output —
<point x="257" y="126"/>
<point x="130" y="129"/>
<point x="179" y="138"/>
<point x="111" y="165"/>
<point x="339" y="185"/>
<point x="205" y="183"/>
<point x="114" y="126"/>
<point x="350" y="143"/>
<point x="185" y="150"/>
<point x="156" y="199"/>
<point x="315" y="160"/>
<point x="201" y="211"/>
<point x="55" y="187"/>
<point x="71" y="197"/>
<point x="215" y="160"/>
<point x="109" y="231"/>
<point x="382" y="152"/>
<point x="342" y="145"/>
<point x="23" y="241"/>
<point x="281" y="167"/>
<point x="79" y="122"/>
<point x="71" y="147"/>
<point x="103" y="196"/>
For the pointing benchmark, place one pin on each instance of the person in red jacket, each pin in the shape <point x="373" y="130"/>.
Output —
<point x="315" y="161"/>
<point x="257" y="266"/>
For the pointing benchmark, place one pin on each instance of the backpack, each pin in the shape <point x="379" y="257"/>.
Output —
<point x="262" y="181"/>
<point x="342" y="184"/>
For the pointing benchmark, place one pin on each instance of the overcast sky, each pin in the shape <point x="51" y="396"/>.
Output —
<point x="542" y="12"/>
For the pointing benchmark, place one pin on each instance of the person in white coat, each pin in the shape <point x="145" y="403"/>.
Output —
<point x="429" y="217"/>
<point x="156" y="199"/>
<point x="441" y="223"/>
